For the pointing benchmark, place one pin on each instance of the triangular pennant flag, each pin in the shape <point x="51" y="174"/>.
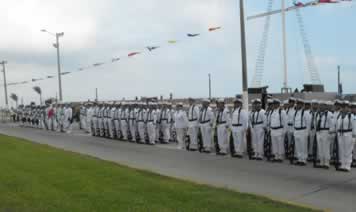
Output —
<point x="64" y="73"/>
<point x="115" y="59"/>
<point x="97" y="64"/>
<point x="34" y="80"/>
<point x="172" y="41"/>
<point x="50" y="77"/>
<point x="133" y="54"/>
<point x="192" y="35"/>
<point x="214" y="28"/>
<point x="151" y="48"/>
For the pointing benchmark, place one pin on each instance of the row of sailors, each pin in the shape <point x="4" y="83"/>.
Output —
<point x="57" y="117"/>
<point x="136" y="121"/>
<point x="297" y="130"/>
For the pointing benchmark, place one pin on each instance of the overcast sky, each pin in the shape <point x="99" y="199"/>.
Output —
<point x="96" y="31"/>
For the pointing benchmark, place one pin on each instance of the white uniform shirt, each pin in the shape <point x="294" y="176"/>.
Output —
<point x="258" y="119"/>
<point x="324" y="121"/>
<point x="206" y="117"/>
<point x="239" y="118"/>
<point x="180" y="119"/>
<point x="278" y="119"/>
<point x="223" y="117"/>
<point x="193" y="116"/>
<point x="302" y="119"/>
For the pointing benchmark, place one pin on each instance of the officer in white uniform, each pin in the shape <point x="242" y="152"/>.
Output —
<point x="313" y="113"/>
<point x="278" y="123"/>
<point x="141" y="117"/>
<point x="323" y="134"/>
<point x="165" y="122"/>
<point x="206" y="121"/>
<point x="124" y="121"/>
<point x="223" y="120"/>
<point x="68" y="118"/>
<point x="180" y="124"/>
<point x="239" y="126"/>
<point x="193" y="124"/>
<point x="301" y="129"/>
<point x="151" y="123"/>
<point x="258" y="124"/>
<point x="346" y="131"/>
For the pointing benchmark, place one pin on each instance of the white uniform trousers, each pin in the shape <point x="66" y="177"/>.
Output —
<point x="124" y="127"/>
<point x="206" y="132"/>
<point x="111" y="127"/>
<point x="117" y="127"/>
<point x="133" y="130"/>
<point x="239" y="136"/>
<point x="277" y="139"/>
<point x="101" y="126"/>
<point x="151" y="130"/>
<point x="257" y="136"/>
<point x="193" y="136"/>
<point x="346" y="145"/>
<point x="323" y="140"/>
<point x="141" y="131"/>
<point x="301" y="144"/>
<point x="312" y="134"/>
<point x="223" y="140"/>
<point x="94" y="124"/>
<point x="180" y="137"/>
<point x="166" y="131"/>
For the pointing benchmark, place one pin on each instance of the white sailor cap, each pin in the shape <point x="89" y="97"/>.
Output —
<point x="307" y="102"/>
<point x="292" y="99"/>
<point x="345" y="102"/>
<point x="353" y="104"/>
<point x="285" y="102"/>
<point x="237" y="100"/>
<point x="269" y="101"/>
<point x="314" y="101"/>
<point x="337" y="101"/>
<point x="257" y="101"/>
<point x="179" y="104"/>
<point x="221" y="100"/>
<point x="276" y="101"/>
<point x="300" y="101"/>
<point x="330" y="103"/>
<point x="206" y="100"/>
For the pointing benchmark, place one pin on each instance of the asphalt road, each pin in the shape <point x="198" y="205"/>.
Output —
<point x="324" y="189"/>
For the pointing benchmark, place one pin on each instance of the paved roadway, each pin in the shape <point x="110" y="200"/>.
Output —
<point x="326" y="189"/>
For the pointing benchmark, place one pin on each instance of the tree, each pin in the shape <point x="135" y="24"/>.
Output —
<point x="15" y="98"/>
<point x="38" y="90"/>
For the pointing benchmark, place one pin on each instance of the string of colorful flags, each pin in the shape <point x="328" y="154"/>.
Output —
<point x="153" y="48"/>
<point x="112" y="60"/>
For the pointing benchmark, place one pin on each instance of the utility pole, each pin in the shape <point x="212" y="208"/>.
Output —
<point x="339" y="86"/>
<point x="209" y="86"/>
<point x="244" y="57"/>
<point x="3" y="63"/>
<point x="59" y="65"/>
<point x="56" y="45"/>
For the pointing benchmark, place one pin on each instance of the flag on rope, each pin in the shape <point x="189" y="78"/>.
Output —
<point x="172" y="41"/>
<point x="192" y="35"/>
<point x="115" y="59"/>
<point x="34" y="80"/>
<point x="298" y="4"/>
<point x="50" y="77"/>
<point x="214" y="28"/>
<point x="64" y="73"/>
<point x="151" y="48"/>
<point x="133" y="54"/>
<point x="97" y="64"/>
<point x="327" y="1"/>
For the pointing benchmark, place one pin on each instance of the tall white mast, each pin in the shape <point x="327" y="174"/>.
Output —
<point x="284" y="38"/>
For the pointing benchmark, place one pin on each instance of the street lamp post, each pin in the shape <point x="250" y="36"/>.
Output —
<point x="243" y="56"/>
<point x="56" y="45"/>
<point x="5" y="85"/>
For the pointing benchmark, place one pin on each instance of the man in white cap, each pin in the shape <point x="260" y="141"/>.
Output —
<point x="278" y="126"/>
<point x="239" y="126"/>
<point x="180" y="124"/>
<point x="111" y="120"/>
<point x="68" y="118"/>
<point x="336" y="111"/>
<point x="353" y="111"/>
<point x="323" y="135"/>
<point x="141" y="117"/>
<point x="124" y="121"/>
<point x="117" y="121"/>
<point x="301" y="129"/>
<point x="206" y="121"/>
<point x="165" y="118"/>
<point x="290" y="121"/>
<point x="82" y="116"/>
<point x="346" y="132"/>
<point x="193" y="124"/>
<point x="258" y="124"/>
<point x="222" y="123"/>
<point x="151" y="123"/>
<point x="132" y="122"/>
<point x="94" y="120"/>
<point x="312" y="132"/>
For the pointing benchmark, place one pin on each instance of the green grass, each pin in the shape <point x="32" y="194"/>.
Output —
<point x="38" y="178"/>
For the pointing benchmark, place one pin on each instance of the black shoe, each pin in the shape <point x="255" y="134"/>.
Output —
<point x="237" y="156"/>
<point x="259" y="158"/>
<point x="206" y="151"/>
<point x="221" y="153"/>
